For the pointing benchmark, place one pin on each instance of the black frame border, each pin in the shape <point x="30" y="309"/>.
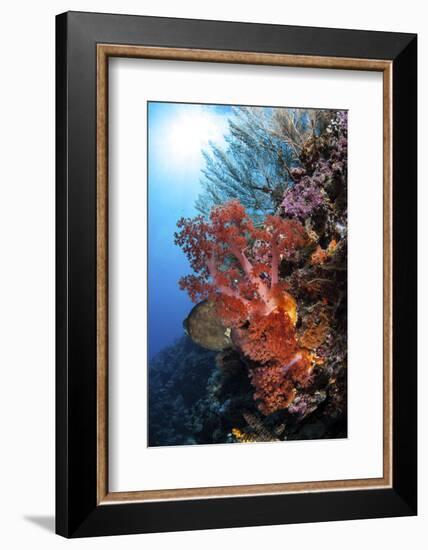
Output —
<point x="77" y="512"/>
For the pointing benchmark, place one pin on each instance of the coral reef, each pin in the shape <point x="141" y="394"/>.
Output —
<point x="195" y="398"/>
<point x="192" y="398"/>
<point x="271" y="297"/>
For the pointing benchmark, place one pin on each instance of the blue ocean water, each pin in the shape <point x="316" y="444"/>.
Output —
<point x="176" y="135"/>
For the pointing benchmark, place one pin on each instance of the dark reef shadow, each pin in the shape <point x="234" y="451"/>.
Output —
<point x="45" y="522"/>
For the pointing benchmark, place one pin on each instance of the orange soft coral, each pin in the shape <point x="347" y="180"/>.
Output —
<point x="275" y="383"/>
<point x="274" y="390"/>
<point x="269" y="339"/>
<point x="320" y="255"/>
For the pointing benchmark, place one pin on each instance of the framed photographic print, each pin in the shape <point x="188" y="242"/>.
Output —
<point x="236" y="274"/>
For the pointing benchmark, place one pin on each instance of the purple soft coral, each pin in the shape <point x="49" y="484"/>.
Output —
<point x="303" y="198"/>
<point x="306" y="195"/>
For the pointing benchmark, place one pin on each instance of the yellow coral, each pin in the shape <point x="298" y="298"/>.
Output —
<point x="288" y="304"/>
<point x="332" y="247"/>
<point x="242" y="437"/>
<point x="315" y="360"/>
<point x="259" y="433"/>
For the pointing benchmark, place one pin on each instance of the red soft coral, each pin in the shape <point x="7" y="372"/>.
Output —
<point x="233" y="259"/>
<point x="274" y="390"/>
<point x="237" y="266"/>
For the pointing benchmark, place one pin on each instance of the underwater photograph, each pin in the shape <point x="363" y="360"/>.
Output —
<point x="247" y="273"/>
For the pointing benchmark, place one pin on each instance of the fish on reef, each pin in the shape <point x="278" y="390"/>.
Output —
<point x="206" y="329"/>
